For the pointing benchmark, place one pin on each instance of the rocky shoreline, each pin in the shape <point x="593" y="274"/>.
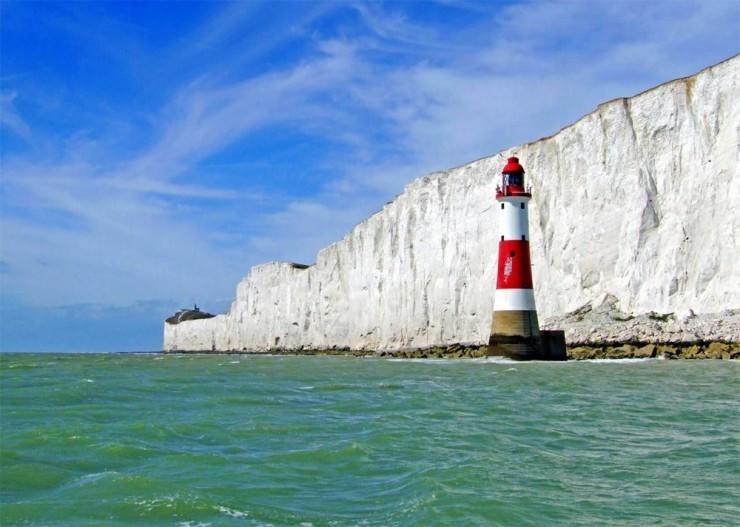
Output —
<point x="637" y="350"/>
<point x="584" y="351"/>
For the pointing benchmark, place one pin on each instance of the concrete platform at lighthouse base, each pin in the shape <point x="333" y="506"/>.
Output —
<point x="548" y="345"/>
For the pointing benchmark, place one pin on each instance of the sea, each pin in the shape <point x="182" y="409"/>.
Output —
<point x="308" y="441"/>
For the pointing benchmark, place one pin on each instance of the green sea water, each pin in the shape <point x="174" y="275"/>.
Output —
<point x="234" y="440"/>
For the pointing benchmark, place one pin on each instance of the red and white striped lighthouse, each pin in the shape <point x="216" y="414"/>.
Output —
<point x="515" y="331"/>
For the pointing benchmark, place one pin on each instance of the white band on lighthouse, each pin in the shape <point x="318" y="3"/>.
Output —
<point x="514" y="222"/>
<point x="514" y="300"/>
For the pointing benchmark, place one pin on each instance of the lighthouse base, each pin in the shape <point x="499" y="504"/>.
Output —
<point x="548" y="345"/>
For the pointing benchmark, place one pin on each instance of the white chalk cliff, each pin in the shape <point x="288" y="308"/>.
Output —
<point x="635" y="210"/>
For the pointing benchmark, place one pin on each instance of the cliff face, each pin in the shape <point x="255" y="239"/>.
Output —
<point x="635" y="205"/>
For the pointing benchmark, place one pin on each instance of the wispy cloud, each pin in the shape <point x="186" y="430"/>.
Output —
<point x="122" y="215"/>
<point x="10" y="118"/>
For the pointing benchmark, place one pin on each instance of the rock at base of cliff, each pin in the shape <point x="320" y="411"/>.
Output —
<point x="680" y="350"/>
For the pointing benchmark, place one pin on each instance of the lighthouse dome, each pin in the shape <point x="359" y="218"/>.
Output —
<point x="512" y="166"/>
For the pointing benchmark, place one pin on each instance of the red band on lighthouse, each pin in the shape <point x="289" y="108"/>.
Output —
<point x="514" y="269"/>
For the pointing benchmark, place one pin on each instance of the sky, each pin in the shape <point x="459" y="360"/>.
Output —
<point x="152" y="152"/>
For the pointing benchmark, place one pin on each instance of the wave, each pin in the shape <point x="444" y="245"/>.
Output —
<point x="620" y="361"/>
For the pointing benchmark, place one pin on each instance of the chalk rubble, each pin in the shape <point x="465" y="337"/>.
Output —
<point x="635" y="214"/>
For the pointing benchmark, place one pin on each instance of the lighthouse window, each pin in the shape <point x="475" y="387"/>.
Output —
<point x="502" y="206"/>
<point x="512" y="253"/>
<point x="522" y="205"/>
<point x="524" y="237"/>
<point x="502" y="237"/>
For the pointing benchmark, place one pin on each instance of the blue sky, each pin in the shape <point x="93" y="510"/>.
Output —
<point x="151" y="153"/>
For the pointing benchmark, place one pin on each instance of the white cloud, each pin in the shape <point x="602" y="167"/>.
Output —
<point x="10" y="118"/>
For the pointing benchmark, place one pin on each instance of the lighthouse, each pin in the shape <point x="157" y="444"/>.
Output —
<point x="515" y="331"/>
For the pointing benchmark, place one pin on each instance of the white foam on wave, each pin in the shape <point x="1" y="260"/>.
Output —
<point x="438" y="362"/>
<point x="231" y="512"/>
<point x="621" y="361"/>
<point x="151" y="504"/>
<point x="507" y="361"/>
<point x="461" y="360"/>
<point x="91" y="478"/>
<point x="497" y="360"/>
<point x="419" y="361"/>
